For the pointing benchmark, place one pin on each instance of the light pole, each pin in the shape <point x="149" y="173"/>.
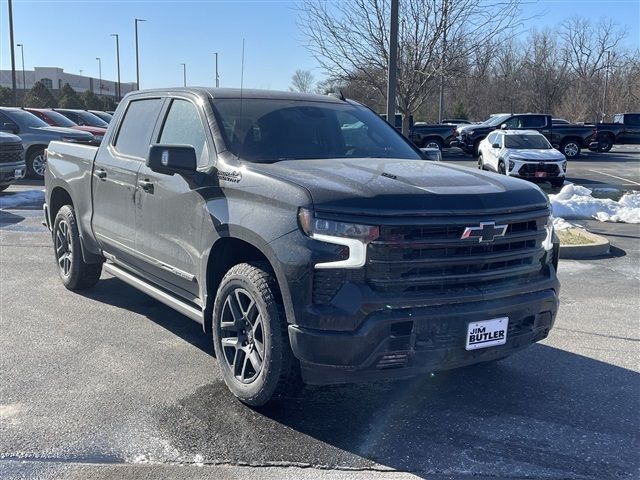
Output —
<point x="393" y="65"/>
<point x="184" y="73"/>
<point x="137" y="58"/>
<point x="118" y="62"/>
<point x="606" y="85"/>
<point x="99" y="75"/>
<point x="24" y="81"/>
<point x="13" y="56"/>
<point x="217" y="76"/>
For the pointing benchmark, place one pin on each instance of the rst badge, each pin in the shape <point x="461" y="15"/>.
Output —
<point x="487" y="334"/>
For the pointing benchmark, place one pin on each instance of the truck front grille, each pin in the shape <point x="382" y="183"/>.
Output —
<point x="435" y="259"/>
<point x="530" y="169"/>
<point x="10" y="152"/>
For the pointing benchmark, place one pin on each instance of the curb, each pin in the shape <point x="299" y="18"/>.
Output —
<point x="600" y="246"/>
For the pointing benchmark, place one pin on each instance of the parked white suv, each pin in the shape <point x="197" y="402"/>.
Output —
<point x="522" y="153"/>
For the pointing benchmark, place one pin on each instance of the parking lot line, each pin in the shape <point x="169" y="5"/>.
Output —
<point x="631" y="182"/>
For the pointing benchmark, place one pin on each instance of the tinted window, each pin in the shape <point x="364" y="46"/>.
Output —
<point x="632" y="119"/>
<point x="534" y="121"/>
<point x="270" y="130"/>
<point x="92" y="120"/>
<point x="527" y="142"/>
<point x="134" y="135"/>
<point x="184" y="127"/>
<point x="58" y="119"/>
<point x="497" y="120"/>
<point x="25" y="119"/>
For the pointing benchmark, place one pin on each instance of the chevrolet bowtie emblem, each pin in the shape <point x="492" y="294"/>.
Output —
<point x="486" y="232"/>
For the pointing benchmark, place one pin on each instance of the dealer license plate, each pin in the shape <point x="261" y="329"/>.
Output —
<point x="487" y="334"/>
<point x="541" y="174"/>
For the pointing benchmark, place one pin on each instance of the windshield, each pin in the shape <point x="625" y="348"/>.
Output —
<point x="493" y="121"/>
<point x="526" y="142"/>
<point x="271" y="130"/>
<point x="25" y="119"/>
<point x="92" y="120"/>
<point x="59" y="120"/>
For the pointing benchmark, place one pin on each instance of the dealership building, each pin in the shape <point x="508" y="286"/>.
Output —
<point x="55" y="78"/>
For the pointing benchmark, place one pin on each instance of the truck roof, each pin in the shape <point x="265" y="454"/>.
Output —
<point x="244" y="93"/>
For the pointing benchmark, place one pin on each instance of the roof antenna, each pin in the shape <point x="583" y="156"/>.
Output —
<point x="341" y="97"/>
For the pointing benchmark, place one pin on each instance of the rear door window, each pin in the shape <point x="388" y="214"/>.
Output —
<point x="136" y="128"/>
<point x="632" y="119"/>
<point x="534" y="121"/>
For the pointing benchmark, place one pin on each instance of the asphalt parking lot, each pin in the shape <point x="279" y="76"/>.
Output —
<point x="111" y="384"/>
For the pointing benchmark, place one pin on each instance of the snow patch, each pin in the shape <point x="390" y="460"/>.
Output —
<point x="19" y="199"/>
<point x="562" y="224"/>
<point x="576" y="202"/>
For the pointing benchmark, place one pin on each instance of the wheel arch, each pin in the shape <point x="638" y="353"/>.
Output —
<point x="32" y="148"/>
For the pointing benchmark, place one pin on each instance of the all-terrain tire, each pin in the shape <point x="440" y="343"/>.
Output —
<point x="72" y="269"/>
<point x="279" y="372"/>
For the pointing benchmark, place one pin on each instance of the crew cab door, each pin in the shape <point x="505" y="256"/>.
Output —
<point x="632" y="128"/>
<point x="171" y="214"/>
<point x="114" y="179"/>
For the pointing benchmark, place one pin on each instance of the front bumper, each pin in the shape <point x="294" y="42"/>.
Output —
<point x="11" y="172"/>
<point x="399" y="342"/>
<point x="530" y="169"/>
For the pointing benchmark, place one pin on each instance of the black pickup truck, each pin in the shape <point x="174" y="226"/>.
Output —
<point x="625" y="129"/>
<point x="432" y="136"/>
<point x="569" y="139"/>
<point x="310" y="239"/>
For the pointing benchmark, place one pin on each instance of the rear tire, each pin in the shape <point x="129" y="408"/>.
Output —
<point x="605" y="145"/>
<point x="72" y="269"/>
<point x="250" y="336"/>
<point x="36" y="163"/>
<point x="432" y="143"/>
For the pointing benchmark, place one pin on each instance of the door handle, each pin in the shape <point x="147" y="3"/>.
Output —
<point x="101" y="173"/>
<point x="146" y="185"/>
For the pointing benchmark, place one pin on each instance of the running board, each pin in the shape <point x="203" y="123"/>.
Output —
<point x="153" y="291"/>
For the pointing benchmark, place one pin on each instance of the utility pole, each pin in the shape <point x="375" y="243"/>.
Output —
<point x="118" y="96"/>
<point x="184" y="74"/>
<point x="137" y="58"/>
<point x="393" y="65"/>
<point x="13" y="56"/>
<point x="99" y="75"/>
<point x="217" y="76"/>
<point x="606" y="85"/>
<point x="444" y="57"/>
<point x="24" y="81"/>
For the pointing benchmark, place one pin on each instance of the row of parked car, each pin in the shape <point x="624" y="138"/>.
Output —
<point x="26" y="132"/>
<point x="569" y="138"/>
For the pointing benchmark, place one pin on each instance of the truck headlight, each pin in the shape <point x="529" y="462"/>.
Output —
<point x="548" y="241"/>
<point x="352" y="235"/>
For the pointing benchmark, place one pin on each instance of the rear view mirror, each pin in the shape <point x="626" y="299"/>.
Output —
<point x="496" y="145"/>
<point x="10" y="127"/>
<point x="170" y="159"/>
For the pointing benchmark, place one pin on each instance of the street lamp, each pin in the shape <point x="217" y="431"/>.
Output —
<point x="217" y="76"/>
<point x="184" y="73"/>
<point x="118" y="61"/>
<point x="24" y="82"/>
<point x="99" y="75"/>
<point x="137" y="60"/>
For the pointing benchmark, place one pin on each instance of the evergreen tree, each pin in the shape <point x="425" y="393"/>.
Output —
<point x="108" y="104"/>
<point x="69" y="98"/>
<point x="91" y="101"/>
<point x="39" y="97"/>
<point x="6" y="97"/>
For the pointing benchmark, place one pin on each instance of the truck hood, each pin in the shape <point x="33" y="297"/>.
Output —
<point x="380" y="187"/>
<point x="66" y="132"/>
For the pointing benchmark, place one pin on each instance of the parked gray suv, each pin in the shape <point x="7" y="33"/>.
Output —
<point x="36" y="135"/>
<point x="12" y="165"/>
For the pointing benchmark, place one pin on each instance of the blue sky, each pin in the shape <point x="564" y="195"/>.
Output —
<point x="55" y="33"/>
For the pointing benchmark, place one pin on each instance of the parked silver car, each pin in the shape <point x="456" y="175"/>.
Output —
<point x="36" y="135"/>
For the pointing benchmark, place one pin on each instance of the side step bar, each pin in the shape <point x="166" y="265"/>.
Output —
<point x="160" y="295"/>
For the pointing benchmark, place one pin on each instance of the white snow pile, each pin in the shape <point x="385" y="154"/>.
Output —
<point x="562" y="224"/>
<point x="576" y="202"/>
<point x="19" y="199"/>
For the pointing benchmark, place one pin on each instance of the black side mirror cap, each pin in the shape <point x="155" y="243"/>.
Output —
<point x="170" y="159"/>
<point x="10" y="127"/>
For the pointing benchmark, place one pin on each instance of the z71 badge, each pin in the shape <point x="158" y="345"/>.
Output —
<point x="233" y="177"/>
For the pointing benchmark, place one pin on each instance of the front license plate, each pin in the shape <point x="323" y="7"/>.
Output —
<point x="17" y="173"/>
<point x="541" y="174"/>
<point x="487" y="334"/>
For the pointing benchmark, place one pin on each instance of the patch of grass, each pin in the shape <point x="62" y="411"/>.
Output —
<point x="573" y="236"/>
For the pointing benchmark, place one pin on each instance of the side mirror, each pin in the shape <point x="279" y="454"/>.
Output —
<point x="170" y="159"/>
<point x="10" y="127"/>
<point x="503" y="126"/>
<point x="496" y="145"/>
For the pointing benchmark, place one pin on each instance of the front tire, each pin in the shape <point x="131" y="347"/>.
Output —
<point x="72" y="269"/>
<point x="481" y="162"/>
<point x="501" y="168"/>
<point x="605" y="145"/>
<point x="36" y="163"/>
<point x="570" y="149"/>
<point x="432" y="143"/>
<point x="250" y="336"/>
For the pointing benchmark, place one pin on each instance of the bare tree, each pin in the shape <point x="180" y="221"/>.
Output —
<point x="302" y="81"/>
<point x="350" y="40"/>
